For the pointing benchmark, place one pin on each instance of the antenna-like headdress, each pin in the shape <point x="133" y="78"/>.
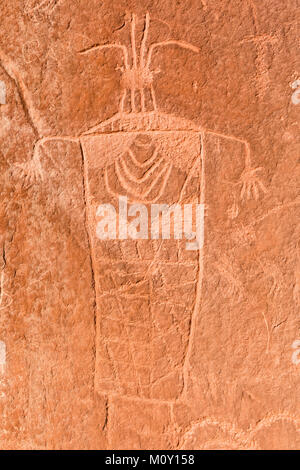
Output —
<point x="137" y="78"/>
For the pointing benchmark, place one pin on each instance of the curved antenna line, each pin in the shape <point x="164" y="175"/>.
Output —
<point x="122" y="101"/>
<point x="133" y="100"/>
<point x="153" y="97"/>
<point x="144" y="40"/>
<point x="142" y="94"/>
<point x="134" y="60"/>
<point x="109" y="46"/>
<point x="171" y="42"/>
<point x="133" y="44"/>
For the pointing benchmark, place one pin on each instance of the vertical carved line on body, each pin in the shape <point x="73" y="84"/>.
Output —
<point x="200" y="271"/>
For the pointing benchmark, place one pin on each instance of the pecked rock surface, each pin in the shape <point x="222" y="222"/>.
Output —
<point x="143" y="344"/>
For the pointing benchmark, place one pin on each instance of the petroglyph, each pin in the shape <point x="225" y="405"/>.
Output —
<point x="136" y="150"/>
<point x="250" y="184"/>
<point x="230" y="279"/>
<point x="262" y="44"/>
<point x="275" y="276"/>
<point x="141" y="343"/>
<point x="233" y="211"/>
<point x="148" y="156"/>
<point x="32" y="115"/>
<point x="137" y="78"/>
<point x="155" y="170"/>
<point x="268" y="332"/>
<point x="201" y="435"/>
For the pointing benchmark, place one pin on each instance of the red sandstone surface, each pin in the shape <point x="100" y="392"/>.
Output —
<point x="140" y="343"/>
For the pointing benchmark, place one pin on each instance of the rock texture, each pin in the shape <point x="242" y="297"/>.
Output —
<point x="142" y="344"/>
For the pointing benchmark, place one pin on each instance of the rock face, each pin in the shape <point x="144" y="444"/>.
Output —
<point x="127" y="129"/>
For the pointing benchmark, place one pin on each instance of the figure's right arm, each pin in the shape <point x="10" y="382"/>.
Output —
<point x="30" y="170"/>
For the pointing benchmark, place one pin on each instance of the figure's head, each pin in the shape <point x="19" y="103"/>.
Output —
<point x="137" y="78"/>
<point x="143" y="140"/>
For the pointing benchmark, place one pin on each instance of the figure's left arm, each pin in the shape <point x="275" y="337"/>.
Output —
<point x="249" y="181"/>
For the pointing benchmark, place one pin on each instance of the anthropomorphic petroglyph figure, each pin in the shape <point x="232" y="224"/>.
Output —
<point x="147" y="291"/>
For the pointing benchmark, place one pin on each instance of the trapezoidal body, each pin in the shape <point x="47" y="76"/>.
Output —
<point x="145" y="289"/>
